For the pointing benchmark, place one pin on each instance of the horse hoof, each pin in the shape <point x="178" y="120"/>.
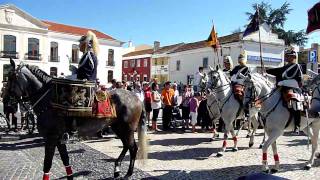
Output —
<point x="274" y="171"/>
<point x="219" y="154"/>
<point x="116" y="174"/>
<point x="250" y="145"/>
<point x="247" y="136"/>
<point x="260" y="147"/>
<point x="234" y="149"/>
<point x="307" y="167"/>
<point x="318" y="155"/>
<point x="267" y="171"/>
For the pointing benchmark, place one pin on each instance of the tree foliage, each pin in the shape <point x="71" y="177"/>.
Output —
<point x="276" y="18"/>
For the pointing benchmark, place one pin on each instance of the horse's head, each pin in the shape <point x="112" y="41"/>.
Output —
<point x="21" y="82"/>
<point x="217" y="78"/>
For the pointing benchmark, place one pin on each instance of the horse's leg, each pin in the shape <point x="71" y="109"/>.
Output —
<point x="273" y="136"/>
<point x="314" y="141"/>
<point x="62" y="148"/>
<point x="235" y="141"/>
<point x="125" y="148"/>
<point x="249" y="127"/>
<point x="133" y="149"/>
<point x="49" y="149"/>
<point x="276" y="157"/>
<point x="224" y="144"/>
<point x="254" y="129"/>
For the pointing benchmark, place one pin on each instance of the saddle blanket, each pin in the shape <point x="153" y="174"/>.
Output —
<point x="102" y="106"/>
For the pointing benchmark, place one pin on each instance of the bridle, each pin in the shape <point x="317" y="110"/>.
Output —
<point x="213" y="87"/>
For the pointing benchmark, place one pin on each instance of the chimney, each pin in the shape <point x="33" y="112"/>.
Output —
<point x="156" y="45"/>
<point x="129" y="44"/>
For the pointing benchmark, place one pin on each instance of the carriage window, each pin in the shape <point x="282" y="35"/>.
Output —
<point x="205" y="62"/>
<point x="110" y="76"/>
<point x="9" y="47"/>
<point x="75" y="53"/>
<point x="33" y="49"/>
<point x="54" y="52"/>
<point x="110" y="57"/>
<point x="54" y="71"/>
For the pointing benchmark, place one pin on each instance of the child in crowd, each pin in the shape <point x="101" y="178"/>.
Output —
<point x="194" y="104"/>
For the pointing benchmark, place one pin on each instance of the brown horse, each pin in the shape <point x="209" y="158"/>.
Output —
<point x="29" y="82"/>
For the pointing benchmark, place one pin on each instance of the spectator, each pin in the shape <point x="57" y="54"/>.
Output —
<point x="155" y="104"/>
<point x="147" y="100"/>
<point x="124" y="85"/>
<point x="138" y="91"/>
<point x="167" y="95"/>
<point x="119" y="85"/>
<point x="203" y="114"/>
<point x="194" y="104"/>
<point x="186" y="96"/>
<point x="176" y="94"/>
<point x="113" y="84"/>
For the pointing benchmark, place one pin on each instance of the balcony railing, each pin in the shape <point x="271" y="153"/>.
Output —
<point x="32" y="56"/>
<point x="9" y="54"/>
<point x="54" y="58"/>
<point x="110" y="63"/>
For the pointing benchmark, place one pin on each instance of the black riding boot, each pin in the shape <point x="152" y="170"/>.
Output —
<point x="297" y="120"/>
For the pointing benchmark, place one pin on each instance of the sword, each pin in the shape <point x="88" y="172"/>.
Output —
<point x="307" y="116"/>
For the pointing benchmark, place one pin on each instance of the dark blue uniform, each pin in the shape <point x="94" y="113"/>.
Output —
<point x="244" y="70"/>
<point x="88" y="67"/>
<point x="288" y="71"/>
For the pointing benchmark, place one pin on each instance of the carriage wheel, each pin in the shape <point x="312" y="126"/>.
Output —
<point x="30" y="122"/>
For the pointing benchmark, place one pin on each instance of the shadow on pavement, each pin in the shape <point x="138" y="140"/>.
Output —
<point x="223" y="173"/>
<point x="195" y="153"/>
<point x="78" y="174"/>
<point x="22" y="145"/>
<point x="180" y="141"/>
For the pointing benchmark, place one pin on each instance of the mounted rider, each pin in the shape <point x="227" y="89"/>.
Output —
<point x="227" y="65"/>
<point x="289" y="78"/>
<point x="237" y="81"/>
<point x="200" y="79"/>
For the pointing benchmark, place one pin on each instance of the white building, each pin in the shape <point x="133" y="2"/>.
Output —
<point x="51" y="46"/>
<point x="185" y="60"/>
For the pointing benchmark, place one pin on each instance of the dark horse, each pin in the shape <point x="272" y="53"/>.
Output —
<point x="31" y="83"/>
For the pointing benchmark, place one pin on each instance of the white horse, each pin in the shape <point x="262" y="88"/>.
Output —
<point x="259" y="92"/>
<point x="222" y="101"/>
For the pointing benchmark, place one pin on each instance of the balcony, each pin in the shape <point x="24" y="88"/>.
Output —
<point x="9" y="54"/>
<point x="36" y="57"/>
<point x="54" y="58"/>
<point x="110" y="63"/>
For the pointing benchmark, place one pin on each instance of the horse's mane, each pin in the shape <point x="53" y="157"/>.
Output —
<point x="259" y="77"/>
<point x="40" y="74"/>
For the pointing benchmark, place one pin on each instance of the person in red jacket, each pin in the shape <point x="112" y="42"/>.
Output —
<point x="147" y="100"/>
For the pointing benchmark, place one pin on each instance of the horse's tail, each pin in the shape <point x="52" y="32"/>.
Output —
<point x="142" y="136"/>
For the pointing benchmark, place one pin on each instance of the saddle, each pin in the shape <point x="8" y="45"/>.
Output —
<point x="293" y="99"/>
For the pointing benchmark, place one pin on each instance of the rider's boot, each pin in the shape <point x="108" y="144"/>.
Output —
<point x="46" y="176"/>
<point x="69" y="172"/>
<point x="297" y="120"/>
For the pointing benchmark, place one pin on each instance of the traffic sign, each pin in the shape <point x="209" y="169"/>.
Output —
<point x="312" y="56"/>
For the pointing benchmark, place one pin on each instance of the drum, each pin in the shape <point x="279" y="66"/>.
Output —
<point x="73" y="97"/>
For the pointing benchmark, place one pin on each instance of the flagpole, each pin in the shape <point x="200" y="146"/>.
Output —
<point x="260" y="44"/>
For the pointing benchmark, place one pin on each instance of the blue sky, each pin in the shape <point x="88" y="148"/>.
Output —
<point x="168" y="21"/>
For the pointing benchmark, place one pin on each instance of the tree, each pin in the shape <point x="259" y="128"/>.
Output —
<point x="276" y="18"/>
<point x="238" y="30"/>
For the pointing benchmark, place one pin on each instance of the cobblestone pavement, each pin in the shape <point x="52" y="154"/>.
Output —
<point x="193" y="156"/>
<point x="23" y="159"/>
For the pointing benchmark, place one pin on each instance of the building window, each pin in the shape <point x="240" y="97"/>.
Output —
<point x="54" y="52"/>
<point x="110" y="57"/>
<point x="138" y="62"/>
<point x="75" y="53"/>
<point x="33" y="49"/>
<point x="110" y="76"/>
<point x="178" y="65"/>
<point x="9" y="47"/>
<point x="6" y="69"/>
<point x="125" y="77"/>
<point x="125" y="64"/>
<point x="205" y="62"/>
<point x="145" y="63"/>
<point x="132" y="63"/>
<point x="54" y="71"/>
<point x="145" y="78"/>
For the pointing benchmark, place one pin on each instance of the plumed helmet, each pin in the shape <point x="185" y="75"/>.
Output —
<point x="290" y="52"/>
<point x="242" y="58"/>
<point x="228" y="59"/>
<point x="91" y="40"/>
